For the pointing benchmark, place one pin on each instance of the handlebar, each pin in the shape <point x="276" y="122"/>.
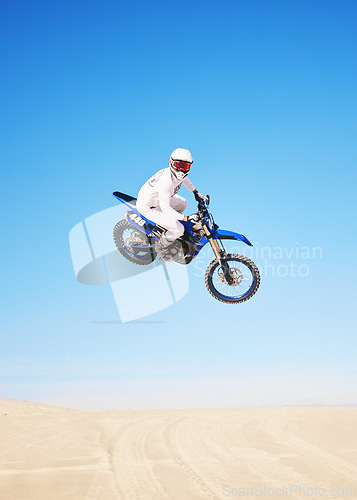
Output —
<point x="205" y="202"/>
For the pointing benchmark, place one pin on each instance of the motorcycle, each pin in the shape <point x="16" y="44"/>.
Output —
<point x="229" y="278"/>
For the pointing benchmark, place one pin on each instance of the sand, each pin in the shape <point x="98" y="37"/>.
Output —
<point x="50" y="453"/>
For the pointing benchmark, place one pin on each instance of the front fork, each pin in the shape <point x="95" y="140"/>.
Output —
<point x="219" y="253"/>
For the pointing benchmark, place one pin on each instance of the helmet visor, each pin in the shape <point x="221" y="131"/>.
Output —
<point x="182" y="166"/>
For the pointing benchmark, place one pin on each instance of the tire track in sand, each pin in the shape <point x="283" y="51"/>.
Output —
<point x="130" y="463"/>
<point x="173" y="445"/>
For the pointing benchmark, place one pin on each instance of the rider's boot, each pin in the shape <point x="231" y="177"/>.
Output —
<point x="162" y="247"/>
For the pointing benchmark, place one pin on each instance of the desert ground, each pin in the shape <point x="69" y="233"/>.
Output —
<point x="50" y="453"/>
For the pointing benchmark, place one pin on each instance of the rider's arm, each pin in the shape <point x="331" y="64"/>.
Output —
<point x="187" y="183"/>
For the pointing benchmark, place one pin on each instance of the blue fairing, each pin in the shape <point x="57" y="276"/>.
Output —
<point x="230" y="235"/>
<point x="188" y="227"/>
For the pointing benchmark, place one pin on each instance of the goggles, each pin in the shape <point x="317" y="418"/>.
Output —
<point x="181" y="166"/>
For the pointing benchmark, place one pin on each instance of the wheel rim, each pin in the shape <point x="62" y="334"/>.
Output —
<point x="130" y="237"/>
<point x="243" y="281"/>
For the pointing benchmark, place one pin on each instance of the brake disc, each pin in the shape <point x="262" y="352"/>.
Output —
<point x="236" y="275"/>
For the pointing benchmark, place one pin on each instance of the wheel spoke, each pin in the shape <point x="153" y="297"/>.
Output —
<point x="126" y="238"/>
<point x="244" y="280"/>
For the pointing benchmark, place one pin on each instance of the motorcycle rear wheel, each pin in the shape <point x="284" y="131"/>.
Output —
<point x="123" y="234"/>
<point x="245" y="276"/>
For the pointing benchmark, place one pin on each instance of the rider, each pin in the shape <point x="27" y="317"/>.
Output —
<point x="157" y="199"/>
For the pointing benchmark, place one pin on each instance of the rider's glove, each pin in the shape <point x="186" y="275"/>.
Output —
<point x="194" y="218"/>
<point x="198" y="196"/>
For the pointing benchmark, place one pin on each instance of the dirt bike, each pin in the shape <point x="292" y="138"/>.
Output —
<point x="230" y="278"/>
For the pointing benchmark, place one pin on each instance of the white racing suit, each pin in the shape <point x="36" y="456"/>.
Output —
<point x="158" y="201"/>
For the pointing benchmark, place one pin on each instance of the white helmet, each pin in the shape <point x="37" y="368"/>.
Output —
<point x="180" y="163"/>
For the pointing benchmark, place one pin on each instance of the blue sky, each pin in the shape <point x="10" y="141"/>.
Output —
<point x="94" y="97"/>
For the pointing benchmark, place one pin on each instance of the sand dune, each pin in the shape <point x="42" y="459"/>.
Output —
<point x="50" y="453"/>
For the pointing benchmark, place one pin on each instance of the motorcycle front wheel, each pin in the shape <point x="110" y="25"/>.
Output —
<point x="244" y="282"/>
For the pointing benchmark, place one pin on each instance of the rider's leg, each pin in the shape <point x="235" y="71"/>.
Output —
<point x="163" y="243"/>
<point x="178" y="203"/>
<point x="174" y="231"/>
<point x="174" y="228"/>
